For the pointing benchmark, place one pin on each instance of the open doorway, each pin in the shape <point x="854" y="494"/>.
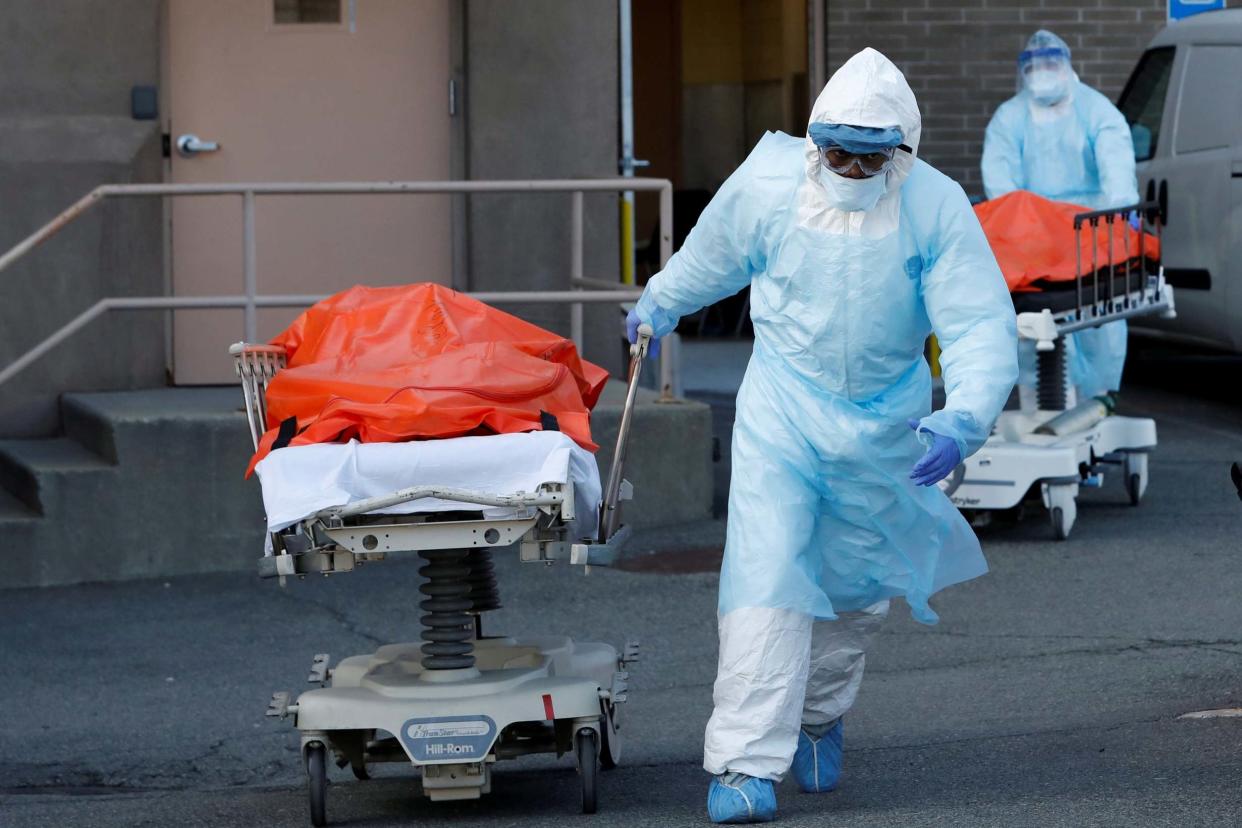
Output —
<point x="710" y="78"/>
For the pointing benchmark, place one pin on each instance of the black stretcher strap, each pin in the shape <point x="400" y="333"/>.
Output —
<point x="548" y="422"/>
<point x="288" y="430"/>
<point x="1063" y="296"/>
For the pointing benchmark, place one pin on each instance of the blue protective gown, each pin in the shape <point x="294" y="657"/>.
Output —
<point x="1079" y="151"/>
<point x="822" y="514"/>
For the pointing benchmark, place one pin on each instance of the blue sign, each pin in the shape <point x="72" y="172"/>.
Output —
<point x="448" y="738"/>
<point x="1180" y="9"/>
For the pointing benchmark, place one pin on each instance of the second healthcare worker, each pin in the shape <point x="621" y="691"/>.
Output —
<point x="1061" y="139"/>
<point x="854" y="251"/>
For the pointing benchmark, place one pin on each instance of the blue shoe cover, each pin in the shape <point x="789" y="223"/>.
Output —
<point x="817" y="760"/>
<point x="736" y="798"/>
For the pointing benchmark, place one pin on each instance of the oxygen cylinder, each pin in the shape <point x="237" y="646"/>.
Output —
<point x="1079" y="418"/>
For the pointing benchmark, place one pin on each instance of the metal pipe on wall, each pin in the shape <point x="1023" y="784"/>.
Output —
<point x="818" y="46"/>
<point x="575" y="268"/>
<point x="250" y="275"/>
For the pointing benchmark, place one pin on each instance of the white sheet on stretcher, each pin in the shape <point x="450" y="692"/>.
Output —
<point x="299" y="481"/>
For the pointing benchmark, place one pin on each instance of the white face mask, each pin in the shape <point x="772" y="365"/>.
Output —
<point x="852" y="194"/>
<point x="1046" y="86"/>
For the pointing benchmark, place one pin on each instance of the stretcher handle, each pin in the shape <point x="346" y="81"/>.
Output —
<point x="1114" y="219"/>
<point x="610" y="509"/>
<point x="1150" y="210"/>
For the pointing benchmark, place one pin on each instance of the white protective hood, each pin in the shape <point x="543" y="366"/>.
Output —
<point x="869" y="91"/>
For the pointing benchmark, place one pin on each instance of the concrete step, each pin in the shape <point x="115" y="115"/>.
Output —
<point x="669" y="458"/>
<point x="144" y="484"/>
<point x="52" y="492"/>
<point x="127" y="422"/>
<point x="14" y="511"/>
<point x="34" y="470"/>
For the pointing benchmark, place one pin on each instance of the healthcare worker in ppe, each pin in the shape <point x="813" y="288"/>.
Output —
<point x="1061" y="139"/>
<point x="854" y="251"/>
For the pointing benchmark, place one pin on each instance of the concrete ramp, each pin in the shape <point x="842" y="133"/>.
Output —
<point x="148" y="484"/>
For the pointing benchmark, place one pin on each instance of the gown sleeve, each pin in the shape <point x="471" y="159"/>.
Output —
<point x="723" y="251"/>
<point x="972" y="316"/>
<point x="1002" y="155"/>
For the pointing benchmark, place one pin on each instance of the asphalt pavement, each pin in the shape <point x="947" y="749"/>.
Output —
<point x="1049" y="694"/>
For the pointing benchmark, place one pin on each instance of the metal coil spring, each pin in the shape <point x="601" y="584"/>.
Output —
<point x="448" y="628"/>
<point x="484" y="592"/>
<point x="1050" y="377"/>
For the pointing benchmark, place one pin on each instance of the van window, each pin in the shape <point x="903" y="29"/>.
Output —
<point x="1209" y="100"/>
<point x="1142" y="102"/>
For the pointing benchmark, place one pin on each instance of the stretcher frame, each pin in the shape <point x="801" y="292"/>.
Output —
<point x="1015" y="461"/>
<point x="470" y="700"/>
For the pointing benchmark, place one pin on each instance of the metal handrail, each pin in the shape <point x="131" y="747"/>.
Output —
<point x="582" y="289"/>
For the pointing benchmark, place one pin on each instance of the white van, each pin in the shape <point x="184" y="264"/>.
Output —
<point x="1184" y="106"/>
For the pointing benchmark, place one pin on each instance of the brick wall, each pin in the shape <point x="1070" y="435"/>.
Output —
<point x="960" y="56"/>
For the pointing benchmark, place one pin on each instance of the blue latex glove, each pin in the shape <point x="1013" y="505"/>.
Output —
<point x="1136" y="221"/>
<point x="941" y="459"/>
<point x="631" y="331"/>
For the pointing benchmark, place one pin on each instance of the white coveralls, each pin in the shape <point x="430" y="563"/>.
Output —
<point x="779" y="670"/>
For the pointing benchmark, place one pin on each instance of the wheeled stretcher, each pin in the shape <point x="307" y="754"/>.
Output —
<point x="458" y="701"/>
<point x="1018" y="458"/>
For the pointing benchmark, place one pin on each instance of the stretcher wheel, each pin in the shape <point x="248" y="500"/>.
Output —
<point x="360" y="771"/>
<point x="610" y="749"/>
<point x="317" y="783"/>
<point x="586" y="750"/>
<point x="1135" y="470"/>
<point x="1059" y="499"/>
<point x="1059" y="529"/>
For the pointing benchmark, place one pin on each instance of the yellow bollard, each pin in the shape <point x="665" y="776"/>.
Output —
<point x="627" y="239"/>
<point x="933" y="355"/>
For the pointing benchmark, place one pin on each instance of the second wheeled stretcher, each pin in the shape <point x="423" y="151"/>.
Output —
<point x="1024" y="453"/>
<point x="457" y="701"/>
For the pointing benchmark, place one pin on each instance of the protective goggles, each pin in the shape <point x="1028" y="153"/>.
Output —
<point x="842" y="161"/>
<point x="1047" y="58"/>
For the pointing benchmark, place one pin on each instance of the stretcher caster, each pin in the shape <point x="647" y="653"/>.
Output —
<point x="610" y="748"/>
<point x="359" y="768"/>
<point x="1135" y="475"/>
<point x="1059" y="529"/>
<point x="586" y="751"/>
<point x="1060" y="499"/>
<point x="317" y="783"/>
